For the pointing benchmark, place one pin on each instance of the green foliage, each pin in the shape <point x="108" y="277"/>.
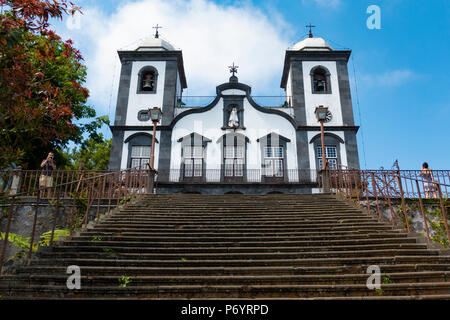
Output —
<point x="4" y="203"/>
<point x="42" y="100"/>
<point x="96" y="238"/>
<point x="386" y="279"/>
<point x="435" y="220"/>
<point x="124" y="281"/>
<point x="402" y="215"/>
<point x="46" y="236"/>
<point x="436" y="223"/>
<point x="108" y="250"/>
<point x="125" y="200"/>
<point x="93" y="154"/>
<point x="19" y="241"/>
<point x="23" y="243"/>
<point x="379" y="292"/>
<point x="79" y="211"/>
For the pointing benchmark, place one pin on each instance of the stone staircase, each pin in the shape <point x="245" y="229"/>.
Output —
<point x="236" y="246"/>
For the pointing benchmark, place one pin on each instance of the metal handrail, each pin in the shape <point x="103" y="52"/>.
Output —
<point x="113" y="186"/>
<point x="359" y="185"/>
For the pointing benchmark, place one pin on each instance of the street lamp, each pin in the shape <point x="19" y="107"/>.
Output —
<point x="321" y="114"/>
<point x="155" y="116"/>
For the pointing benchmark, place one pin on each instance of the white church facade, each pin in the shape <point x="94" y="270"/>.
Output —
<point x="233" y="143"/>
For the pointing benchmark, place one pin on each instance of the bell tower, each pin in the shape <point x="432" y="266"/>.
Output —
<point x="152" y="75"/>
<point x="314" y="74"/>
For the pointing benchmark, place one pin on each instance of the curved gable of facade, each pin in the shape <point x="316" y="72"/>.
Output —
<point x="231" y="89"/>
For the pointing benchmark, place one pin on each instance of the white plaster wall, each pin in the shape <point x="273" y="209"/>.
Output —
<point x="124" y="160"/>
<point x="289" y="86"/>
<point x="332" y="101"/>
<point x="257" y="124"/>
<point x="312" y="153"/>
<point x="289" y="111"/>
<point x="137" y="102"/>
<point x="207" y="124"/>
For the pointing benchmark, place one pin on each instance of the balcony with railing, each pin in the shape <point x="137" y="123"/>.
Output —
<point x="281" y="103"/>
<point x="246" y="176"/>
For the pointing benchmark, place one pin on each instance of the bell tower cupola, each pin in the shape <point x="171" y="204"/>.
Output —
<point x="152" y="75"/>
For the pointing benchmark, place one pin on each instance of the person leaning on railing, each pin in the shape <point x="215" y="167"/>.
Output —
<point x="46" y="179"/>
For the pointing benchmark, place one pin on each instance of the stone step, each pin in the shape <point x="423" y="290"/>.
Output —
<point x="273" y="242"/>
<point x="242" y="209"/>
<point x="209" y="215"/>
<point x="324" y="227"/>
<point x="326" y="261"/>
<point x="241" y="270"/>
<point x="238" y="203"/>
<point x="254" y="256"/>
<point x="98" y="247"/>
<point x="182" y="232"/>
<point x="309" y="220"/>
<point x="235" y="240"/>
<point x="238" y="291"/>
<point x="205" y="280"/>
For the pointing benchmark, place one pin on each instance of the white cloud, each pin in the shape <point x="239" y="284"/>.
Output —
<point x="324" y="3"/>
<point x="211" y="37"/>
<point x="389" y="78"/>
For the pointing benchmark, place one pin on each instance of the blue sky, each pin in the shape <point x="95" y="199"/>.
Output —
<point x="401" y="69"/>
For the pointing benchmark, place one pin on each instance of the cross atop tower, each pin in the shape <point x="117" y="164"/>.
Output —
<point x="310" y="26"/>
<point x="157" y="33"/>
<point x="233" y="69"/>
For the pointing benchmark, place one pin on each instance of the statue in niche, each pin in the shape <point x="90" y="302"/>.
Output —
<point x="234" y="120"/>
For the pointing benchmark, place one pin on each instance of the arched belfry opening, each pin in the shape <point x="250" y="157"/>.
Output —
<point x="320" y="80"/>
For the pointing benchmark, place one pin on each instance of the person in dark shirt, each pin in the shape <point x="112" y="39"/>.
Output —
<point x="48" y="165"/>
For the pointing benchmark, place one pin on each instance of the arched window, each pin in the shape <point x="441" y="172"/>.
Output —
<point x="148" y="77"/>
<point x="320" y="80"/>
<point x="234" y="151"/>
<point x="139" y="150"/>
<point x="193" y="152"/>
<point x="273" y="156"/>
<point x="332" y="150"/>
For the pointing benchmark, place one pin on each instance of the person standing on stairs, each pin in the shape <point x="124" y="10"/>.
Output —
<point x="46" y="179"/>
<point x="429" y="183"/>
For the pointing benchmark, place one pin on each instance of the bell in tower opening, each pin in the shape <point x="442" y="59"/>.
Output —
<point x="320" y="80"/>
<point x="148" y="80"/>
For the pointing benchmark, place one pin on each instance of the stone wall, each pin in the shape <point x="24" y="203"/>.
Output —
<point x="23" y="218"/>
<point x="219" y="188"/>
<point x="432" y="210"/>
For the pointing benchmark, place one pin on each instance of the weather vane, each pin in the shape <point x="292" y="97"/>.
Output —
<point x="233" y="69"/>
<point x="310" y="29"/>
<point x="157" y="27"/>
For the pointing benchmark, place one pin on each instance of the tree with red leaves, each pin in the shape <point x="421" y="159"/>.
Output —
<point x="41" y="77"/>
